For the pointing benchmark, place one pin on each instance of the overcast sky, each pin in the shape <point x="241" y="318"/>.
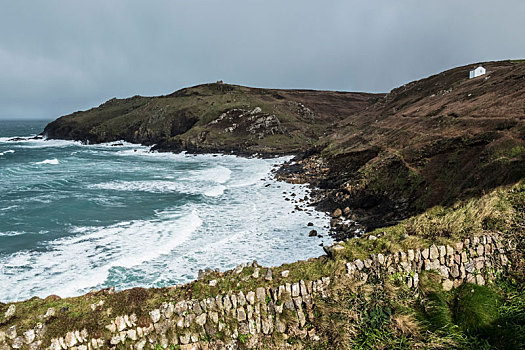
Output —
<point x="57" y="57"/>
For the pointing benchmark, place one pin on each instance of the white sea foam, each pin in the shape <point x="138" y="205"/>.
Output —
<point x="7" y="152"/>
<point x="218" y="174"/>
<point x="154" y="186"/>
<point x="12" y="233"/>
<point x="215" y="191"/>
<point x="83" y="261"/>
<point x="47" y="143"/>
<point x="199" y="182"/>
<point x="49" y="161"/>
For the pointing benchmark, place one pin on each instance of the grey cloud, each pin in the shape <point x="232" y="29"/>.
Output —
<point x="60" y="56"/>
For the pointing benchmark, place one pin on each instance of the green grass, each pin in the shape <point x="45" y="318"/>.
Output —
<point x="472" y="316"/>
<point x="433" y="309"/>
<point x="475" y="308"/>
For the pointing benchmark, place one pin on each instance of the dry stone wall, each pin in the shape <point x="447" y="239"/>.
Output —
<point x="221" y="322"/>
<point x="475" y="260"/>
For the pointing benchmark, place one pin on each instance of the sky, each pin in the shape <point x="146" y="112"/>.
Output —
<point x="60" y="56"/>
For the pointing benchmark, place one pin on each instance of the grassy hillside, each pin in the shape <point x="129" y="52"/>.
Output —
<point x="429" y="142"/>
<point x="215" y="117"/>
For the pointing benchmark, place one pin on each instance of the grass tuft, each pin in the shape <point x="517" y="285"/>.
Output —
<point x="476" y="308"/>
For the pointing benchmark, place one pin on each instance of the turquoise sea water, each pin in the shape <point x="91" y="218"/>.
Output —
<point x="75" y="217"/>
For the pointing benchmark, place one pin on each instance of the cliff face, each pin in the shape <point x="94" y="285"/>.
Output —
<point x="385" y="156"/>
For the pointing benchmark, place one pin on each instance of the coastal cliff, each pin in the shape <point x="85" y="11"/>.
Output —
<point x="385" y="157"/>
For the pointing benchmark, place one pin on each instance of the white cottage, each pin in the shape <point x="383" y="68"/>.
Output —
<point x="477" y="72"/>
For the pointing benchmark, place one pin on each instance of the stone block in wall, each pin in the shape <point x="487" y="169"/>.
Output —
<point x="443" y="271"/>
<point x="405" y="265"/>
<point x="201" y="319"/>
<point x="454" y="270"/>
<point x="261" y="295"/>
<point x="419" y="266"/>
<point x="241" y="299"/>
<point x="227" y="303"/>
<point x="480" y="250"/>
<point x="181" y="308"/>
<point x="249" y="311"/>
<point x="469" y="267"/>
<point x="433" y="252"/>
<point x="288" y="304"/>
<point x="281" y="292"/>
<point x="274" y="293"/>
<point x="188" y="320"/>
<point x="480" y="280"/>
<point x="410" y="255"/>
<point x="442" y="251"/>
<point x="479" y="263"/>
<point x="450" y="250"/>
<point x="196" y="307"/>
<point x="302" y="286"/>
<point x="185" y="338"/>
<point x="288" y="288"/>
<point x="241" y="314"/>
<point x="367" y="263"/>
<point x="296" y="291"/>
<point x="447" y="284"/>
<point x="250" y="298"/>
<point x="265" y="325"/>
<point x="132" y="334"/>
<point x="234" y="301"/>
<point x="141" y="344"/>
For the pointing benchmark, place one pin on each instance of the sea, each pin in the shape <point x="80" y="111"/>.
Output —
<point x="76" y="217"/>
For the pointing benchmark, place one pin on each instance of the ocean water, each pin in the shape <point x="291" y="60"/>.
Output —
<point x="77" y="217"/>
